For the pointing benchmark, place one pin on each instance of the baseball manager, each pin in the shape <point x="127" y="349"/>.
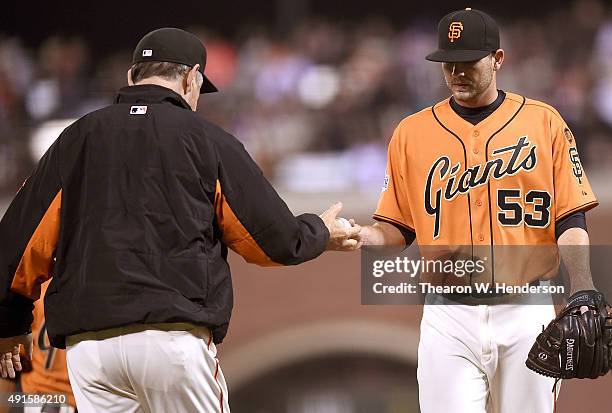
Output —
<point x="132" y="211"/>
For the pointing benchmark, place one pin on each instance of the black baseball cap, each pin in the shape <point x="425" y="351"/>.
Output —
<point x="176" y="46"/>
<point x="465" y="36"/>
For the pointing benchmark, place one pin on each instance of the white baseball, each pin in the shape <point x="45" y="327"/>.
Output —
<point x="343" y="223"/>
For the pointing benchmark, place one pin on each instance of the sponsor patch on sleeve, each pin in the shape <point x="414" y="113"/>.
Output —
<point x="568" y="135"/>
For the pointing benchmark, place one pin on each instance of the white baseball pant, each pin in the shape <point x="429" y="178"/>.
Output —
<point x="471" y="359"/>
<point x="43" y="409"/>
<point x="146" y="371"/>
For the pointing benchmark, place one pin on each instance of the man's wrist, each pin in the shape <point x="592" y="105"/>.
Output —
<point x="371" y="235"/>
<point x="582" y="287"/>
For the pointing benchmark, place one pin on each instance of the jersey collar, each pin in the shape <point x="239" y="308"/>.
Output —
<point x="452" y="121"/>
<point x="150" y="94"/>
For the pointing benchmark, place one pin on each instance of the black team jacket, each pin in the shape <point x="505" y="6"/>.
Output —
<point x="131" y="211"/>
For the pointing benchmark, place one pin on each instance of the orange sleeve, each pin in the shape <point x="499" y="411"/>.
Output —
<point x="571" y="185"/>
<point x="393" y="204"/>
<point x="49" y="372"/>
<point x="37" y="261"/>
<point x="235" y="235"/>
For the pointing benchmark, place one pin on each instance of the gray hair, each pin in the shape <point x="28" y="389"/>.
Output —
<point x="166" y="70"/>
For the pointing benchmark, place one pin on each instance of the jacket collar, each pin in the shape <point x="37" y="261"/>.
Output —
<point x="150" y="94"/>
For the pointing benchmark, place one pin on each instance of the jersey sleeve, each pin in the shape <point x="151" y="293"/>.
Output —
<point x="29" y="233"/>
<point x="571" y="185"/>
<point x="393" y="204"/>
<point x="49" y="373"/>
<point x="254" y="221"/>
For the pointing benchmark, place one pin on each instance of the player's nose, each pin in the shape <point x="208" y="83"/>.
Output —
<point x="458" y="70"/>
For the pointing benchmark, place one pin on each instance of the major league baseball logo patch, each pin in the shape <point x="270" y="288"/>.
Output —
<point x="147" y="53"/>
<point x="138" y="110"/>
<point x="386" y="183"/>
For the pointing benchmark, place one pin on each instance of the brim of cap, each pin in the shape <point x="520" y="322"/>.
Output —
<point x="456" y="56"/>
<point x="207" y="86"/>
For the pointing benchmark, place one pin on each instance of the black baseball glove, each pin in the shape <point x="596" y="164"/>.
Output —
<point x="575" y="344"/>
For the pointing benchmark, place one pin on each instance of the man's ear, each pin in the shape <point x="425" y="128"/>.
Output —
<point x="129" y="77"/>
<point x="498" y="59"/>
<point x="191" y="80"/>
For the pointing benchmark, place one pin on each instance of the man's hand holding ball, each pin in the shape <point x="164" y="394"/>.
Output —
<point x="344" y="235"/>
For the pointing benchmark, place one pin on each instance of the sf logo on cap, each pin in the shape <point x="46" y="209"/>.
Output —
<point x="454" y="31"/>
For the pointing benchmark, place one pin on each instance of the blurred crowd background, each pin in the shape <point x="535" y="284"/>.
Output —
<point x="314" y="90"/>
<point x="323" y="96"/>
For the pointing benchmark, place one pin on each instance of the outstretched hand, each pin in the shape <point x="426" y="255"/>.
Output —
<point x="343" y="236"/>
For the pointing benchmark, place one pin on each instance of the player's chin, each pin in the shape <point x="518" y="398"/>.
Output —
<point x="462" y="94"/>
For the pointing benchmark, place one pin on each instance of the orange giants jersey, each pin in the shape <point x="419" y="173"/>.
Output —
<point x="504" y="181"/>
<point x="49" y="372"/>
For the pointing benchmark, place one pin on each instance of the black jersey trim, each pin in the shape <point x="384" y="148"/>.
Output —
<point x="378" y="217"/>
<point x="583" y="207"/>
<point x="433" y="111"/>
<point x="469" y="201"/>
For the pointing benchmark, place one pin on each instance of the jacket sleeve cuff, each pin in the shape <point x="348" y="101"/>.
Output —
<point x="316" y="232"/>
<point x="16" y="316"/>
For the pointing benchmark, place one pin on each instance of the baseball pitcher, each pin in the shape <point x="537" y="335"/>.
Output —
<point x="487" y="169"/>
